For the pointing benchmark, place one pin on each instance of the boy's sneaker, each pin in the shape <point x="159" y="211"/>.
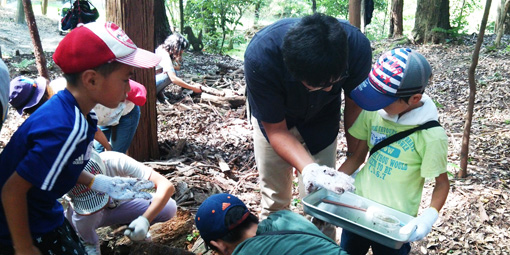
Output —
<point x="92" y="249"/>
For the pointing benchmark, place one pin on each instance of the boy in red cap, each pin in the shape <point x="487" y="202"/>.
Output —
<point x="228" y="227"/>
<point x="46" y="156"/>
<point x="393" y="100"/>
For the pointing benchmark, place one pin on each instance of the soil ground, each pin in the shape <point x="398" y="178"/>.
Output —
<point x="196" y="137"/>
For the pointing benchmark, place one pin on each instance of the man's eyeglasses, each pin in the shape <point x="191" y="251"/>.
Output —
<point x="326" y="86"/>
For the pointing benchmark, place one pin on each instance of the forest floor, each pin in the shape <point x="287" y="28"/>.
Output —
<point x="206" y="144"/>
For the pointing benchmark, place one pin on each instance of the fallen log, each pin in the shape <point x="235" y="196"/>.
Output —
<point x="233" y="101"/>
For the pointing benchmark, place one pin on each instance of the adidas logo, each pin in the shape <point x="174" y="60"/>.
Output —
<point x="78" y="160"/>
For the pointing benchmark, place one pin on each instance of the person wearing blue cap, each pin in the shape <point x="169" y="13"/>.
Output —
<point x="393" y="100"/>
<point x="4" y="92"/>
<point x="228" y="227"/>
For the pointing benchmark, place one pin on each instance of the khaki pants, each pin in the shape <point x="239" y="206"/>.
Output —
<point x="276" y="174"/>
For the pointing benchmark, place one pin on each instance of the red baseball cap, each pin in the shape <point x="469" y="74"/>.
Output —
<point x="93" y="44"/>
<point x="137" y="94"/>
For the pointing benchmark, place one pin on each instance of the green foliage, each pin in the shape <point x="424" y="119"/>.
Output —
<point x="438" y="105"/>
<point x="291" y="8"/>
<point x="192" y="236"/>
<point x="218" y="20"/>
<point x="296" y="201"/>
<point x="24" y="63"/>
<point x="459" y="14"/>
<point x="335" y="8"/>
<point x="507" y="122"/>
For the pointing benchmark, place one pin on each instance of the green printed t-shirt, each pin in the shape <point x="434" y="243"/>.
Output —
<point x="310" y="242"/>
<point x="394" y="175"/>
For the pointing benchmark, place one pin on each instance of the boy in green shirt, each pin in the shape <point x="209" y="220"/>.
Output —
<point x="393" y="101"/>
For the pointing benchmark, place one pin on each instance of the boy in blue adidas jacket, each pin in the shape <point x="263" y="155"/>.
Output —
<point x="46" y="156"/>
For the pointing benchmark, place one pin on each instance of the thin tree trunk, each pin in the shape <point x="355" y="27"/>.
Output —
<point x="464" y="152"/>
<point x="502" y="16"/>
<point x="181" y="15"/>
<point x="362" y="22"/>
<point x="44" y="7"/>
<point x="40" y="59"/>
<point x="20" y="16"/>
<point x="258" y="5"/>
<point x="3" y="3"/>
<point x="128" y="14"/>
<point x="354" y="12"/>
<point x="314" y="6"/>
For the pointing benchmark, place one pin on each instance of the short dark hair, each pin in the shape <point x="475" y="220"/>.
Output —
<point x="104" y="69"/>
<point x="232" y="217"/>
<point x="315" y="50"/>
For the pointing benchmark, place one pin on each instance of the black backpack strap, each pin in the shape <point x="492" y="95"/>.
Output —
<point x="286" y="232"/>
<point x="403" y="134"/>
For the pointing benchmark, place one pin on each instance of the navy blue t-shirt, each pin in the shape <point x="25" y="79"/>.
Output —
<point x="274" y="95"/>
<point x="49" y="150"/>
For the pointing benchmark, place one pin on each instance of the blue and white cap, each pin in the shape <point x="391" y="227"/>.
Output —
<point x="400" y="72"/>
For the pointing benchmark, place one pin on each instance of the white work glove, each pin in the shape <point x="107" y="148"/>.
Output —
<point x="138" y="229"/>
<point x="315" y="176"/>
<point x="422" y="223"/>
<point x="122" y="188"/>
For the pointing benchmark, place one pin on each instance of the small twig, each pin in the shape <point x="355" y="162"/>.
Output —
<point x="242" y="180"/>
<point x="342" y="204"/>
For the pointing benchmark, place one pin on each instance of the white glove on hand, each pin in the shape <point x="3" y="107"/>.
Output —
<point x="315" y="176"/>
<point x="422" y="223"/>
<point x="122" y="188"/>
<point x="138" y="229"/>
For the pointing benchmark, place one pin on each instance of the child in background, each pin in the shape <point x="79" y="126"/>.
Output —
<point x="118" y="125"/>
<point x="393" y="101"/>
<point x="171" y="52"/>
<point x="46" y="156"/>
<point x="4" y="92"/>
<point x="27" y="95"/>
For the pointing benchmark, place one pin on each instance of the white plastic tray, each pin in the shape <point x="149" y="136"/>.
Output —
<point x="355" y="220"/>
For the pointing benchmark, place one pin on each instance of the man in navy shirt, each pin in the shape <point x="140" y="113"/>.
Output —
<point x="295" y="72"/>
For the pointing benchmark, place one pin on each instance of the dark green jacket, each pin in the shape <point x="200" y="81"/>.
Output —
<point x="301" y="237"/>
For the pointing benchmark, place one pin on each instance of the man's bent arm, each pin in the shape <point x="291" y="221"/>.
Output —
<point x="286" y="145"/>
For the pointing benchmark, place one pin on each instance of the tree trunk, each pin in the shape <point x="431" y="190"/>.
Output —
<point x="161" y="26"/>
<point x="396" y="18"/>
<point x="464" y="152"/>
<point x="362" y="10"/>
<point x="3" y="3"/>
<point x="40" y="59"/>
<point x="432" y="20"/>
<point x="20" y="17"/>
<point x="258" y="5"/>
<point x="500" y="11"/>
<point x="181" y="15"/>
<point x="314" y="6"/>
<point x="354" y="13"/>
<point x="44" y="7"/>
<point x="500" y="29"/>
<point x="128" y="14"/>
